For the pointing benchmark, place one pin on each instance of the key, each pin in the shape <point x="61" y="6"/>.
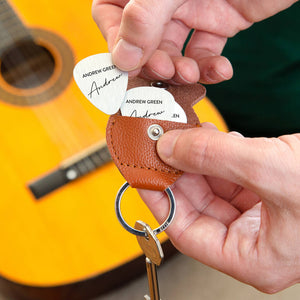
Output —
<point x="152" y="281"/>
<point x="154" y="256"/>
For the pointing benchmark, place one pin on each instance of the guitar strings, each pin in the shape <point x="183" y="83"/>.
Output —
<point x="49" y="114"/>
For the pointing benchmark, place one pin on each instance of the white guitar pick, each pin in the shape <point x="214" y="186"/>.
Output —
<point x="101" y="82"/>
<point x="152" y="103"/>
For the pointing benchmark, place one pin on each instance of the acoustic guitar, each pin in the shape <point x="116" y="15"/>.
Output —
<point x="60" y="238"/>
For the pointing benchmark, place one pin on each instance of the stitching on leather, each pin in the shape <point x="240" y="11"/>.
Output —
<point x="135" y="166"/>
<point x="147" y="168"/>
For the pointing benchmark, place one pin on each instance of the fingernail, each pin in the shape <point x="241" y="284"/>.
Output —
<point x="126" y="56"/>
<point x="235" y="133"/>
<point x="215" y="76"/>
<point x="166" y="143"/>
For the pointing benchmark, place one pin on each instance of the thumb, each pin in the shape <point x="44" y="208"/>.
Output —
<point x="141" y="30"/>
<point x="210" y="152"/>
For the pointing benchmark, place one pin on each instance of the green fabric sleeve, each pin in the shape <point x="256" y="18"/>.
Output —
<point x="263" y="97"/>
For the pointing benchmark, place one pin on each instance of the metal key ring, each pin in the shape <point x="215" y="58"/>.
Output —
<point x="156" y="231"/>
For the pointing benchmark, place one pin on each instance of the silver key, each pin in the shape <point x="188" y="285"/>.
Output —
<point x="154" y="256"/>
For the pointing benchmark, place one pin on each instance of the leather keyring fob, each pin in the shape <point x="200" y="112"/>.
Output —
<point x="134" y="152"/>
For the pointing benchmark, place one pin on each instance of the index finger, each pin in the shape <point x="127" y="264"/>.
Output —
<point x="141" y="30"/>
<point x="108" y="15"/>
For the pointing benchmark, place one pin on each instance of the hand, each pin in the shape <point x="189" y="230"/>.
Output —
<point x="148" y="35"/>
<point x="238" y="204"/>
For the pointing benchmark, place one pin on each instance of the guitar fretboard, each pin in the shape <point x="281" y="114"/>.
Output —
<point x="88" y="163"/>
<point x="70" y="170"/>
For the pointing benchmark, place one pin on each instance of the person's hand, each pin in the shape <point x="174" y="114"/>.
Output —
<point x="238" y="204"/>
<point x="149" y="35"/>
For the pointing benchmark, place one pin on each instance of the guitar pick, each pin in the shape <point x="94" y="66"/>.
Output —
<point x="101" y="82"/>
<point x="152" y="103"/>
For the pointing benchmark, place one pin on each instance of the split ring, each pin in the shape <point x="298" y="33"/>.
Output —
<point x="134" y="231"/>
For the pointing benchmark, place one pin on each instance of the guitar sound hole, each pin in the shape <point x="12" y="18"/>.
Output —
<point x="27" y="65"/>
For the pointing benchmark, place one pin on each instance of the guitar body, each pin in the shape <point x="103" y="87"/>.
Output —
<point x="67" y="243"/>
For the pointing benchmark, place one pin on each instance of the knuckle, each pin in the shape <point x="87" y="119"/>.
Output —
<point x="269" y="289"/>
<point x="297" y="136"/>
<point x="198" y="152"/>
<point x="256" y="166"/>
<point x="95" y="10"/>
<point x="138" y="15"/>
<point x="271" y="282"/>
<point x="292" y="141"/>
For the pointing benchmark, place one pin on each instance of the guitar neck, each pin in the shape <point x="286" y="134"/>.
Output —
<point x="12" y="30"/>
<point x="71" y="169"/>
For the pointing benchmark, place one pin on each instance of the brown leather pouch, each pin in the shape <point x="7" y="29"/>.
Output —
<point x="134" y="152"/>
